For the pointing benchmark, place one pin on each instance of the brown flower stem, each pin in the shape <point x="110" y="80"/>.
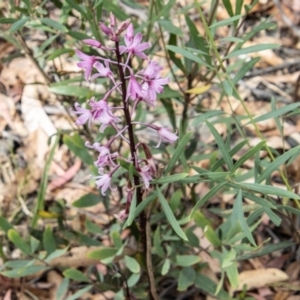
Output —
<point x="136" y="179"/>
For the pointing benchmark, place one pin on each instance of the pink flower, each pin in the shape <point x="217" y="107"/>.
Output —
<point x="86" y="63"/>
<point x="92" y="43"/>
<point x="134" y="89"/>
<point x="86" y="114"/>
<point x="121" y="216"/>
<point x="103" y="182"/>
<point x="166" y="136"/>
<point x="133" y="43"/>
<point x="102" y="71"/>
<point x="105" y="29"/>
<point x="153" y="82"/>
<point x="105" y="158"/>
<point x="145" y="173"/>
<point x="101" y="112"/>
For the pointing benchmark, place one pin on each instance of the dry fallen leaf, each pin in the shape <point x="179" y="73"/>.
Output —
<point x="259" y="278"/>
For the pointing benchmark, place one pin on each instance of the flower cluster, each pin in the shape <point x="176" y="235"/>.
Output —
<point x="134" y="87"/>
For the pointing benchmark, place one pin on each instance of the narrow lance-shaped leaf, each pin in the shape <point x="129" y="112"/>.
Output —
<point x="222" y="147"/>
<point x="205" y="198"/>
<point x="131" y="210"/>
<point x="169" y="214"/>
<point x="274" y="165"/>
<point x="247" y="155"/>
<point x="179" y="150"/>
<point x="238" y="215"/>
<point x="251" y="49"/>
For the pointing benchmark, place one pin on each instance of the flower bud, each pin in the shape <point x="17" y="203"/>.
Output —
<point x="105" y="29"/>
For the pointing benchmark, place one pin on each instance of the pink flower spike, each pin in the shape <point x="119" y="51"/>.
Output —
<point x="134" y="89"/>
<point x="103" y="182"/>
<point x="86" y="114"/>
<point x="86" y="63"/>
<point x="166" y="136"/>
<point x="102" y="71"/>
<point x="93" y="43"/>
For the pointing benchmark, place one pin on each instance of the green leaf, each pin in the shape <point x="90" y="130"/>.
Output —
<point x="133" y="279"/>
<point x="206" y="284"/>
<point x="116" y="238"/>
<point x="207" y="196"/>
<point x="59" y="52"/>
<point x="132" y="264"/>
<point x="77" y="91"/>
<point x="18" y="25"/>
<point x="187" y="54"/>
<point x="277" y="112"/>
<point x="251" y="49"/>
<point x="232" y="152"/>
<point x="177" y="61"/>
<point x="274" y="165"/>
<point x="238" y="215"/>
<point x="269" y="190"/>
<point x="207" y="115"/>
<point x="77" y="35"/>
<point x="169" y="214"/>
<point x="225" y="22"/>
<point x="198" y="41"/>
<point x="87" y="200"/>
<point x="186" y="278"/>
<point x="179" y="150"/>
<point x="290" y="209"/>
<point x="55" y="254"/>
<point x="77" y="7"/>
<point x="166" y="267"/>
<point x="76" y="144"/>
<point x="232" y="274"/>
<point x="103" y="253"/>
<point x="212" y="236"/>
<point x="247" y="155"/>
<point x="54" y="24"/>
<point x="75" y="275"/>
<point x="158" y="243"/>
<point x="34" y="243"/>
<point x="92" y="227"/>
<point x="26" y="271"/>
<point x="48" y="240"/>
<point x="274" y="218"/>
<point x="187" y="260"/>
<point x="62" y="289"/>
<point x="265" y="250"/>
<point x="17" y="240"/>
<point x="132" y="210"/>
<point x="222" y="148"/>
<point x="228" y="7"/>
<point x="170" y="178"/>
<point x="82" y="291"/>
<point x="5" y="225"/>
<point x="7" y="20"/>
<point x="246" y="67"/>
<point x="170" y="27"/>
<point x="167" y="103"/>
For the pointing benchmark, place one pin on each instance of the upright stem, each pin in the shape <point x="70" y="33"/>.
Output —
<point x="136" y="179"/>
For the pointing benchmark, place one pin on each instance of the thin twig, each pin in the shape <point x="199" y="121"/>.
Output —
<point x="149" y="257"/>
